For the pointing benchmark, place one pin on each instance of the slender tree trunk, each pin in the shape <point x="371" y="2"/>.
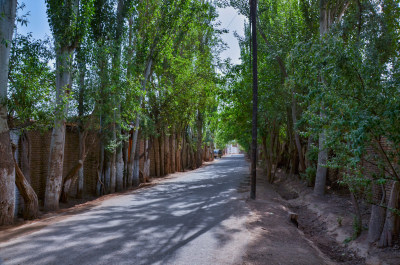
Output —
<point x="69" y="181"/>
<point x="81" y="179"/>
<point x="100" y="168"/>
<point x="125" y="151"/>
<point x="199" y="153"/>
<point x="320" y="178"/>
<point x="113" y="155"/>
<point x="56" y="157"/>
<point x="73" y="174"/>
<point x="167" y="156"/>
<point x="325" y="21"/>
<point x="162" y="149"/>
<point x="146" y="166"/>
<point x="24" y="156"/>
<point x="7" y="170"/>
<point x="117" y="183"/>
<point x="296" y="133"/>
<point x="136" y="164"/>
<point x="137" y="123"/>
<point x="31" y="204"/>
<point x="178" y="153"/>
<point x="157" y="156"/>
<point x="81" y="61"/>
<point x="119" y="168"/>
<point x="173" y="152"/>
<point x="377" y="218"/>
<point x="183" y="153"/>
<point x="357" y="225"/>
<point x="391" y="229"/>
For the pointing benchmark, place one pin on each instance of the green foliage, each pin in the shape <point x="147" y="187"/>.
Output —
<point x="69" y="20"/>
<point x="309" y="175"/>
<point x="31" y="98"/>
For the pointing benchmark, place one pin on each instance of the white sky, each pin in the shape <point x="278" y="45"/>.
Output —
<point x="230" y="19"/>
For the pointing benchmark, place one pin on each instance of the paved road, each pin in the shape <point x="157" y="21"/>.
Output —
<point x="197" y="217"/>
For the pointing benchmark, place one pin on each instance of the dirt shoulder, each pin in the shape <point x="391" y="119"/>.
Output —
<point x="274" y="239"/>
<point x="328" y="222"/>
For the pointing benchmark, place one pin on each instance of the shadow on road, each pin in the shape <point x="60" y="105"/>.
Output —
<point x="146" y="227"/>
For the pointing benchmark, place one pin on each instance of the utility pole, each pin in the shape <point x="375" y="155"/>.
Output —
<point x="253" y="22"/>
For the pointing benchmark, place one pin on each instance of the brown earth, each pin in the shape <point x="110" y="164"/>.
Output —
<point x="325" y="224"/>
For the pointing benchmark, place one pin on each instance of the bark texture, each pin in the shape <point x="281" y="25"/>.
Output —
<point x="391" y="229"/>
<point x="376" y="222"/>
<point x="56" y="157"/>
<point x="7" y="170"/>
<point x="31" y="204"/>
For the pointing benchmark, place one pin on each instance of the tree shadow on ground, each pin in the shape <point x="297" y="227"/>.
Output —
<point x="146" y="227"/>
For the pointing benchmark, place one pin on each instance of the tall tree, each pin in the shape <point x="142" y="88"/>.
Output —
<point x="330" y="12"/>
<point x="7" y="170"/>
<point x="68" y="22"/>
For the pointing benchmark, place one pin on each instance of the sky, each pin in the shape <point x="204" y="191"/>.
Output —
<point x="230" y="19"/>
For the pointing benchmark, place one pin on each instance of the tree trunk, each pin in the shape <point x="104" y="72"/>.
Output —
<point x="320" y="178"/>
<point x="82" y="144"/>
<point x="309" y="144"/>
<point x="157" y="156"/>
<point x="136" y="164"/>
<point x="24" y="156"/>
<point x="167" y="156"/>
<point x="357" y="223"/>
<point x="193" y="158"/>
<point x="183" y="153"/>
<point x="376" y="222"/>
<point x="162" y="149"/>
<point x="119" y="168"/>
<point x="69" y="180"/>
<point x="199" y="157"/>
<point x="173" y="152"/>
<point x="296" y="133"/>
<point x="73" y="174"/>
<point x="146" y="166"/>
<point x="81" y="61"/>
<point x="178" y="153"/>
<point x="7" y="170"/>
<point x="100" y="175"/>
<point x="113" y="156"/>
<point x="391" y="229"/>
<point x="326" y="20"/>
<point x="56" y="157"/>
<point x="125" y="151"/>
<point x="31" y="204"/>
<point x="131" y="164"/>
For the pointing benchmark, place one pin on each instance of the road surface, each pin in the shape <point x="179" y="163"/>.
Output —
<point x="197" y="217"/>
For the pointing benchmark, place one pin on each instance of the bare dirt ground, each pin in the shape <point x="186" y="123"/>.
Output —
<point x="276" y="240"/>
<point x="328" y="223"/>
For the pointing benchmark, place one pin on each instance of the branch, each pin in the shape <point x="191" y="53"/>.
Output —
<point x="387" y="159"/>
<point x="277" y="57"/>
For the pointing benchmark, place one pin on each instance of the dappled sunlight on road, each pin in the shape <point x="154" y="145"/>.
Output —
<point x="198" y="211"/>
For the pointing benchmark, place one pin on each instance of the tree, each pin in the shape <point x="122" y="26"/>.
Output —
<point x="7" y="171"/>
<point x="68" y="22"/>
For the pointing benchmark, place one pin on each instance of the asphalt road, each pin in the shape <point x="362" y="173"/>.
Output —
<point x="197" y="217"/>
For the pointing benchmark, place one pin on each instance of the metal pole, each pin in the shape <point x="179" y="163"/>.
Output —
<point x="253" y="10"/>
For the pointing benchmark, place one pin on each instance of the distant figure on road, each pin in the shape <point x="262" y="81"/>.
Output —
<point x="217" y="153"/>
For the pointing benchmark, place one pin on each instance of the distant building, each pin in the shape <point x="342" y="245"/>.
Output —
<point x="232" y="149"/>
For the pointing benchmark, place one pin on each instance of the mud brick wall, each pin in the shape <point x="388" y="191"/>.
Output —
<point x="39" y="158"/>
<point x="91" y="164"/>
